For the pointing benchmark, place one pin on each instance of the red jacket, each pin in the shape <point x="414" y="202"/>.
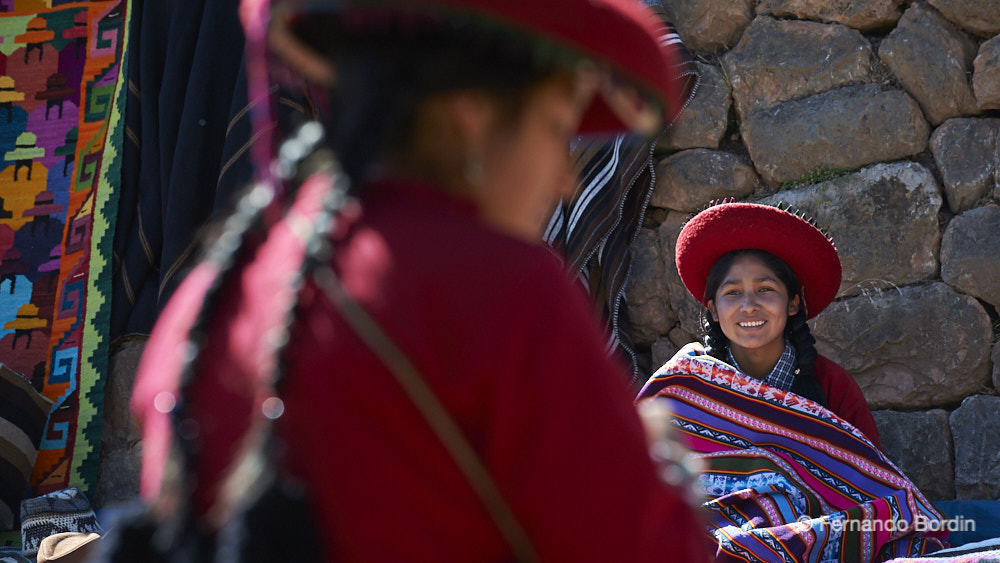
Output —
<point x="510" y="346"/>
<point x="844" y="397"/>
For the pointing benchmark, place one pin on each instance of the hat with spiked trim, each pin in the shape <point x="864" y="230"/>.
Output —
<point x="729" y="226"/>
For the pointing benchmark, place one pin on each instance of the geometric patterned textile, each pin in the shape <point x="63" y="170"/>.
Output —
<point x="60" y="138"/>
<point x="983" y="557"/>
<point x="67" y="510"/>
<point x="785" y="479"/>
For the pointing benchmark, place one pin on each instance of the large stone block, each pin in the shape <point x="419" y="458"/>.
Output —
<point x="970" y="253"/>
<point x="965" y="151"/>
<point x="931" y="57"/>
<point x="687" y="308"/>
<point x="995" y="356"/>
<point x="121" y="444"/>
<point x="976" y="429"/>
<point x="913" y="347"/>
<point x="920" y="444"/>
<point x="986" y="75"/>
<point x="883" y="219"/>
<point x="865" y="15"/>
<point x="687" y="180"/>
<point x="662" y="350"/>
<point x="777" y="61"/>
<point x="846" y="128"/>
<point x="981" y="17"/>
<point x="710" y="25"/>
<point x="648" y="303"/>
<point x="704" y="120"/>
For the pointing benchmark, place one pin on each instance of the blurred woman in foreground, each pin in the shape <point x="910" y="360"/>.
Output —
<point x="380" y="321"/>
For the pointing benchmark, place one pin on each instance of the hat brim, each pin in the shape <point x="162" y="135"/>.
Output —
<point x="67" y="547"/>
<point x="624" y="36"/>
<point x="727" y="227"/>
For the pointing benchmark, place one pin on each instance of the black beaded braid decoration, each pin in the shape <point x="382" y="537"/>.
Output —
<point x="272" y="518"/>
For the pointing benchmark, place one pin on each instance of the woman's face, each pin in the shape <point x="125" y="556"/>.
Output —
<point x="753" y="307"/>
<point x="526" y="165"/>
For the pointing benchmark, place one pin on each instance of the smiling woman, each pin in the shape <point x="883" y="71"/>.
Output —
<point x="787" y="445"/>
<point x="761" y="272"/>
<point x="752" y="305"/>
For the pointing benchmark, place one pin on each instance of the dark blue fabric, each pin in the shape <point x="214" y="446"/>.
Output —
<point x="182" y="154"/>
<point x="983" y="515"/>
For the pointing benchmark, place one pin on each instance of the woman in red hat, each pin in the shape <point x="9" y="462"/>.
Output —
<point x="379" y="320"/>
<point x="761" y="273"/>
<point x="790" y="465"/>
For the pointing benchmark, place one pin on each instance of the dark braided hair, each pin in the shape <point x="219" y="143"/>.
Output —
<point x="268" y="502"/>
<point x="796" y="330"/>
<point x="387" y="64"/>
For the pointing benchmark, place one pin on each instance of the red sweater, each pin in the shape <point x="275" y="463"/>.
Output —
<point x="844" y="397"/>
<point x="509" y="345"/>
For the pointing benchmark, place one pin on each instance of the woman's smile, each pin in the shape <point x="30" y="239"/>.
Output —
<point x="753" y="307"/>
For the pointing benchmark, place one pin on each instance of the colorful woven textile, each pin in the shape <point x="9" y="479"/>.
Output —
<point x="60" y="133"/>
<point x="66" y="510"/>
<point x="983" y="557"/>
<point x="786" y="479"/>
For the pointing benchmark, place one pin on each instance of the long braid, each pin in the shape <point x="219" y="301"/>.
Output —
<point x="269" y="503"/>
<point x="716" y="342"/>
<point x="171" y="530"/>
<point x="240" y="237"/>
<point x="236" y="240"/>
<point x="801" y="337"/>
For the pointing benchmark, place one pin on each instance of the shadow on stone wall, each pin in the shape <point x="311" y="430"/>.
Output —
<point x="121" y="442"/>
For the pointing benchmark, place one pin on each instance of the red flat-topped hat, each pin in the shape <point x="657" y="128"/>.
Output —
<point x="643" y="90"/>
<point x="730" y="226"/>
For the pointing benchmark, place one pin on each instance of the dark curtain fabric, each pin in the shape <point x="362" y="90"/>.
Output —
<point x="185" y="155"/>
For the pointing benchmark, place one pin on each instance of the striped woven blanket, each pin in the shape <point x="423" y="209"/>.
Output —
<point x="597" y="225"/>
<point x="785" y="479"/>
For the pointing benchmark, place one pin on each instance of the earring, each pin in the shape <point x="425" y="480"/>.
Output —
<point x="474" y="169"/>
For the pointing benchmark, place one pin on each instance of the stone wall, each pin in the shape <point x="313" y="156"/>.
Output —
<point x="879" y="119"/>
